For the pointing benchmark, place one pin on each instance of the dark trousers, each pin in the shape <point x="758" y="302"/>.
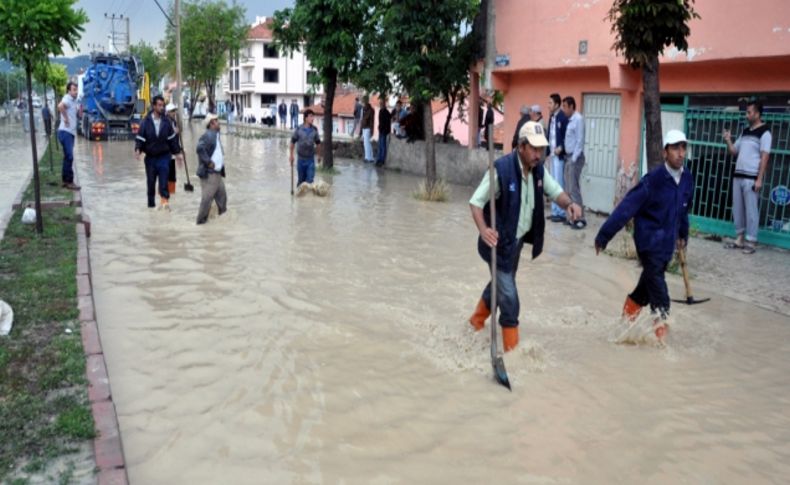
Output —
<point x="652" y="287"/>
<point x="212" y="189"/>
<point x="506" y="294"/>
<point x="157" y="168"/>
<point x="66" y="140"/>
<point x="382" y="156"/>
<point x="305" y="169"/>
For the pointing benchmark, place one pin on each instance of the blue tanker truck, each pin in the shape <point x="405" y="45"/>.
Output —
<point x="111" y="107"/>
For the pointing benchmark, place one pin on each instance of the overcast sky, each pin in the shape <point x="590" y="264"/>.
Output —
<point x="145" y="19"/>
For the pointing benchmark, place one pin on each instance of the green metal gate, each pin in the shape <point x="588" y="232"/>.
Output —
<point x="713" y="166"/>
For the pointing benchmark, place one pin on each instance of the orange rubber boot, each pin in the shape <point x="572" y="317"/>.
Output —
<point x="631" y="309"/>
<point x="509" y="338"/>
<point x="478" y="318"/>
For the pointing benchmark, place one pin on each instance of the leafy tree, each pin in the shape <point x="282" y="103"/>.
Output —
<point x="643" y="28"/>
<point x="152" y="60"/>
<point x="427" y="49"/>
<point x="30" y="32"/>
<point x="330" y="32"/>
<point x="54" y="75"/>
<point x="210" y="29"/>
<point x="13" y="81"/>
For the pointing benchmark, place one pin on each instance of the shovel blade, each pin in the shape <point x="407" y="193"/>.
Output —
<point x="500" y="373"/>
<point x="189" y="187"/>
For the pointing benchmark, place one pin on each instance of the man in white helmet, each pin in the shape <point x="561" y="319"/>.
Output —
<point x="659" y="205"/>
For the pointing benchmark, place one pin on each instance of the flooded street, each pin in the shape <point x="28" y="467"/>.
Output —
<point x="325" y="340"/>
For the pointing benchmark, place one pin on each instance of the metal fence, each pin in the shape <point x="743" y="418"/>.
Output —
<point x="713" y="167"/>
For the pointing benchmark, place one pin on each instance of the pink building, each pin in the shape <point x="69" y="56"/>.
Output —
<point x="459" y="123"/>
<point x="737" y="50"/>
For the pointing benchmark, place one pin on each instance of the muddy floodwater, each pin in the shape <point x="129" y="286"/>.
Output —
<point x="324" y="340"/>
<point x="16" y="163"/>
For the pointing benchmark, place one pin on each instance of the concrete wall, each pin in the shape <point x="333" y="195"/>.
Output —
<point x="454" y="163"/>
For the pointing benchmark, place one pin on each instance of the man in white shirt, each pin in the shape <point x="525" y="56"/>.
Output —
<point x="574" y="156"/>
<point x="211" y="170"/>
<point x="70" y="112"/>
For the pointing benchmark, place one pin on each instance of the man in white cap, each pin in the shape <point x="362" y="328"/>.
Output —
<point x="172" y="113"/>
<point x="659" y="205"/>
<point x="521" y="183"/>
<point x="535" y="114"/>
<point x="525" y="116"/>
<point x="211" y="170"/>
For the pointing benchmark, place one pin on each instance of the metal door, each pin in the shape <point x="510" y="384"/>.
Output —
<point x="601" y="150"/>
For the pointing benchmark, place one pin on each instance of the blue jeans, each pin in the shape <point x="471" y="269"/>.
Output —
<point x="506" y="294"/>
<point x="305" y="168"/>
<point x="652" y="286"/>
<point x="157" y="168"/>
<point x="294" y="122"/>
<point x="66" y="140"/>
<point x="382" y="158"/>
<point x="557" y="171"/>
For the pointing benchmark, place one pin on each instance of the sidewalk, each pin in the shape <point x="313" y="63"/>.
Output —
<point x="760" y="279"/>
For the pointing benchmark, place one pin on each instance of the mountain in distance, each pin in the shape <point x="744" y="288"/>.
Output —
<point x="73" y="64"/>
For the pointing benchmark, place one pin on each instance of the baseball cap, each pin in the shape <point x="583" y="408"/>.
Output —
<point x="524" y="109"/>
<point x="170" y="107"/>
<point x="674" y="136"/>
<point x="533" y="132"/>
<point x="535" y="108"/>
<point x="209" y="118"/>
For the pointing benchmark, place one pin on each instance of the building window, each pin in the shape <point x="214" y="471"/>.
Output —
<point x="269" y="51"/>
<point x="236" y="81"/>
<point x="312" y="78"/>
<point x="267" y="99"/>
<point x="271" y="75"/>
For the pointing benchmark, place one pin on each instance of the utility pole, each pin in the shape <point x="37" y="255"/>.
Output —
<point x="118" y="39"/>
<point x="179" y="101"/>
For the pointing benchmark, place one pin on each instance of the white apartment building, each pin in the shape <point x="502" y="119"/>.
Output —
<point x="258" y="77"/>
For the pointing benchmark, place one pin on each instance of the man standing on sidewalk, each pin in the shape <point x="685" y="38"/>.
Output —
<point x="384" y="131"/>
<point x="211" y="170"/>
<point x="659" y="205"/>
<point x="294" y="114"/>
<point x="753" y="148"/>
<point x="367" y="129"/>
<point x="157" y="138"/>
<point x="282" y="110"/>
<point x="573" y="147"/>
<point x="519" y="220"/>
<point x="558" y="123"/>
<point x="70" y="112"/>
<point x="357" y="117"/>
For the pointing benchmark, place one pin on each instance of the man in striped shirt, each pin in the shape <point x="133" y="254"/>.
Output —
<point x="752" y="148"/>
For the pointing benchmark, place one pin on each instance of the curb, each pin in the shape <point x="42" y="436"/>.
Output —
<point x="107" y="446"/>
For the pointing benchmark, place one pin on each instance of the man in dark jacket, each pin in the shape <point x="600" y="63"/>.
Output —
<point x="294" y="114"/>
<point x="211" y="170"/>
<point x="659" y="205"/>
<point x="558" y="122"/>
<point x="158" y="140"/>
<point x="384" y="130"/>
<point x="519" y="219"/>
<point x="525" y="116"/>
<point x="282" y="110"/>
<point x="488" y="125"/>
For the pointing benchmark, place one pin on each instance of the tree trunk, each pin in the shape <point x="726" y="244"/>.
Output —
<point x="430" y="148"/>
<point x="48" y="133"/>
<point x="212" y="104"/>
<point x="36" y="180"/>
<point x="450" y="105"/>
<point x="329" y="92"/>
<point x="652" y="100"/>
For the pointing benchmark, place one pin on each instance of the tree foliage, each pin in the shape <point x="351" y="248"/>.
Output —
<point x="152" y="60"/>
<point x="30" y="32"/>
<point x="210" y="29"/>
<point x="429" y="51"/>
<point x="331" y="33"/>
<point x="643" y="29"/>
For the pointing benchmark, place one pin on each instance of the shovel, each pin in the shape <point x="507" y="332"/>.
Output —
<point x="500" y="373"/>
<point x="187" y="186"/>
<point x="689" y="299"/>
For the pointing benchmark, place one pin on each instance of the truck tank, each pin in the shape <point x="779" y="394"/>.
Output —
<point x="110" y="102"/>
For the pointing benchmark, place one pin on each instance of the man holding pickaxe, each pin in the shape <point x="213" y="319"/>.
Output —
<point x="659" y="205"/>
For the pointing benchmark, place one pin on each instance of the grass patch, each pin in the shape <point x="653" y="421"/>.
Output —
<point x="44" y="410"/>
<point x="438" y="192"/>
